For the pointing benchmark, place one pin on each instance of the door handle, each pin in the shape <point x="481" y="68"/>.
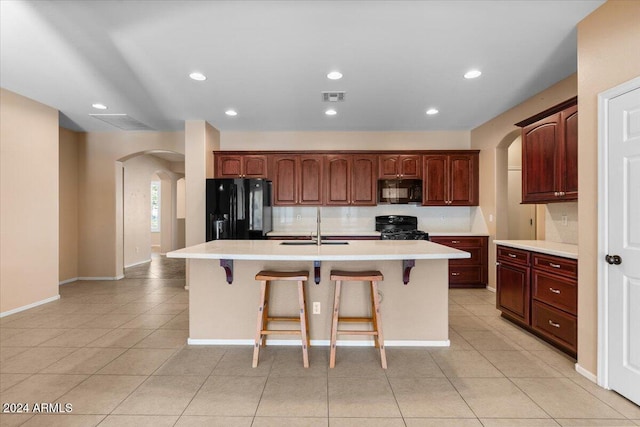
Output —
<point x="613" y="259"/>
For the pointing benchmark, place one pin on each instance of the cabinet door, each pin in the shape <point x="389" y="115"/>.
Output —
<point x="228" y="166"/>
<point x="310" y="184"/>
<point x="435" y="181"/>
<point x="410" y="166"/>
<point x="254" y="166"/>
<point x="513" y="296"/>
<point x="463" y="177"/>
<point x="338" y="179"/>
<point x="389" y="166"/>
<point x="540" y="156"/>
<point x="285" y="180"/>
<point x="364" y="186"/>
<point x="569" y="175"/>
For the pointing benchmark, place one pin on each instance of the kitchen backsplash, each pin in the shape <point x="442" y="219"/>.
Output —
<point x="561" y="222"/>
<point x="362" y="218"/>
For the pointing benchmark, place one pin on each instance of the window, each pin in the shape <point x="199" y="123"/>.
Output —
<point x="155" y="206"/>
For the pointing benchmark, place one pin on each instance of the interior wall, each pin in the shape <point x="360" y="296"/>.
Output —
<point x="29" y="216"/>
<point x="492" y="139"/>
<point x="68" y="240"/>
<point x="100" y="194"/>
<point x="608" y="41"/>
<point x="200" y="140"/>
<point x="139" y="171"/>
<point x="265" y="141"/>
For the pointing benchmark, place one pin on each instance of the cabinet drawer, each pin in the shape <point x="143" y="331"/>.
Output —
<point x="458" y="242"/>
<point x="476" y="257"/>
<point x="558" y="265"/>
<point x="555" y="324"/>
<point x="554" y="290"/>
<point x="465" y="274"/>
<point x="515" y="256"/>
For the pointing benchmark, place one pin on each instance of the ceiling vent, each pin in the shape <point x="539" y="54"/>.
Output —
<point x="333" y="96"/>
<point x="121" y="121"/>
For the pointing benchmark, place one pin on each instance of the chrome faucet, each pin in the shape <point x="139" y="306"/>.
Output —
<point x="318" y="221"/>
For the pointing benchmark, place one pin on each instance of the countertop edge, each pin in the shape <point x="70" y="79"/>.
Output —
<point x="565" y="250"/>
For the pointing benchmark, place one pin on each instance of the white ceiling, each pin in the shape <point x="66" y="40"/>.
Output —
<point x="269" y="60"/>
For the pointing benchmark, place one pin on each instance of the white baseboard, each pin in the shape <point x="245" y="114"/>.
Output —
<point x="588" y="375"/>
<point x="101" y="278"/>
<point x="321" y="343"/>
<point x="138" y="263"/>
<point x="64" y="282"/>
<point x="28" y="306"/>
<point x="489" y="288"/>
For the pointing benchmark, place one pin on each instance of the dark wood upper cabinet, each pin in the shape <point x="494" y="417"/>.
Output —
<point x="364" y="185"/>
<point x="350" y="178"/>
<point x="450" y="179"/>
<point x="240" y="166"/>
<point x="285" y="180"/>
<point x="311" y="180"/>
<point x="338" y="179"/>
<point x="400" y="166"/>
<point x="550" y="155"/>
<point x="297" y="180"/>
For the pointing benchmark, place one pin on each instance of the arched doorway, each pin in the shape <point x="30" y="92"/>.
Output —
<point x="139" y="230"/>
<point x="515" y="221"/>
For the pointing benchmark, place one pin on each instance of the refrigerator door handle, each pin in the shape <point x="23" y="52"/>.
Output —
<point x="251" y="208"/>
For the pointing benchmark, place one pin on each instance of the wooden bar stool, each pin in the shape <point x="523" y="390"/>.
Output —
<point x="373" y="277"/>
<point x="265" y="277"/>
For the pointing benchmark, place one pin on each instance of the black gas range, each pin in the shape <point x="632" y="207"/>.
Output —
<point x="399" y="227"/>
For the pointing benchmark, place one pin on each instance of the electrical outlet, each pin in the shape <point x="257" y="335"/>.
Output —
<point x="298" y="217"/>
<point x="137" y="250"/>
<point x="316" y="307"/>
<point x="564" y="220"/>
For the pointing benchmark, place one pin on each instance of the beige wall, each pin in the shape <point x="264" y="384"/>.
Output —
<point x="493" y="139"/>
<point x="68" y="241"/>
<point x="29" y="209"/>
<point x="608" y="55"/>
<point x="454" y="140"/>
<point x="200" y="140"/>
<point x="100" y="194"/>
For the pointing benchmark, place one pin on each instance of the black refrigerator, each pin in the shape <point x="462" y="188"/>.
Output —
<point x="238" y="209"/>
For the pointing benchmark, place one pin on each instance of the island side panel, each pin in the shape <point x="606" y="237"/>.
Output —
<point x="416" y="313"/>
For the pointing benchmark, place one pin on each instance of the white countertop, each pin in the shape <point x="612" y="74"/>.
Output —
<point x="365" y="233"/>
<point x="356" y="250"/>
<point x="324" y="233"/>
<point x="543" y="246"/>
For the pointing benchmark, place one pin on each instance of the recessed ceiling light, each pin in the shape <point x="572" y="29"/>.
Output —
<point x="432" y="111"/>
<point x="331" y="112"/>
<point x="334" y="75"/>
<point x="231" y="113"/>
<point x="99" y="106"/>
<point x="472" y="74"/>
<point x="198" y="76"/>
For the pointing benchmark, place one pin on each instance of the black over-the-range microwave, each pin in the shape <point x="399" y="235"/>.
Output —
<point x="400" y="191"/>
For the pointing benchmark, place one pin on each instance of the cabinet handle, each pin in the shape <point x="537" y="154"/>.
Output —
<point x="554" y="324"/>
<point x="455" y="274"/>
<point x="513" y="256"/>
<point x="554" y="265"/>
<point x="455" y="241"/>
<point x="555" y="291"/>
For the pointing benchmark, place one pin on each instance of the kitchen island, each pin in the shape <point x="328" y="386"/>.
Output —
<point x="223" y="294"/>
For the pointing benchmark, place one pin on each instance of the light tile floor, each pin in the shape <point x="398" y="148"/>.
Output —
<point x="116" y="352"/>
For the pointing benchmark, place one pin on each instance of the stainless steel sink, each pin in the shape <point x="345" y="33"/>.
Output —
<point x="313" y="243"/>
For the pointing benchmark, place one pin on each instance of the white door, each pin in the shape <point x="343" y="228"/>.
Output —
<point x="623" y="189"/>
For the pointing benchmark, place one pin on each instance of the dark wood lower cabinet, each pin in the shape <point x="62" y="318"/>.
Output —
<point x="540" y="293"/>
<point x="469" y="272"/>
<point x="513" y="291"/>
